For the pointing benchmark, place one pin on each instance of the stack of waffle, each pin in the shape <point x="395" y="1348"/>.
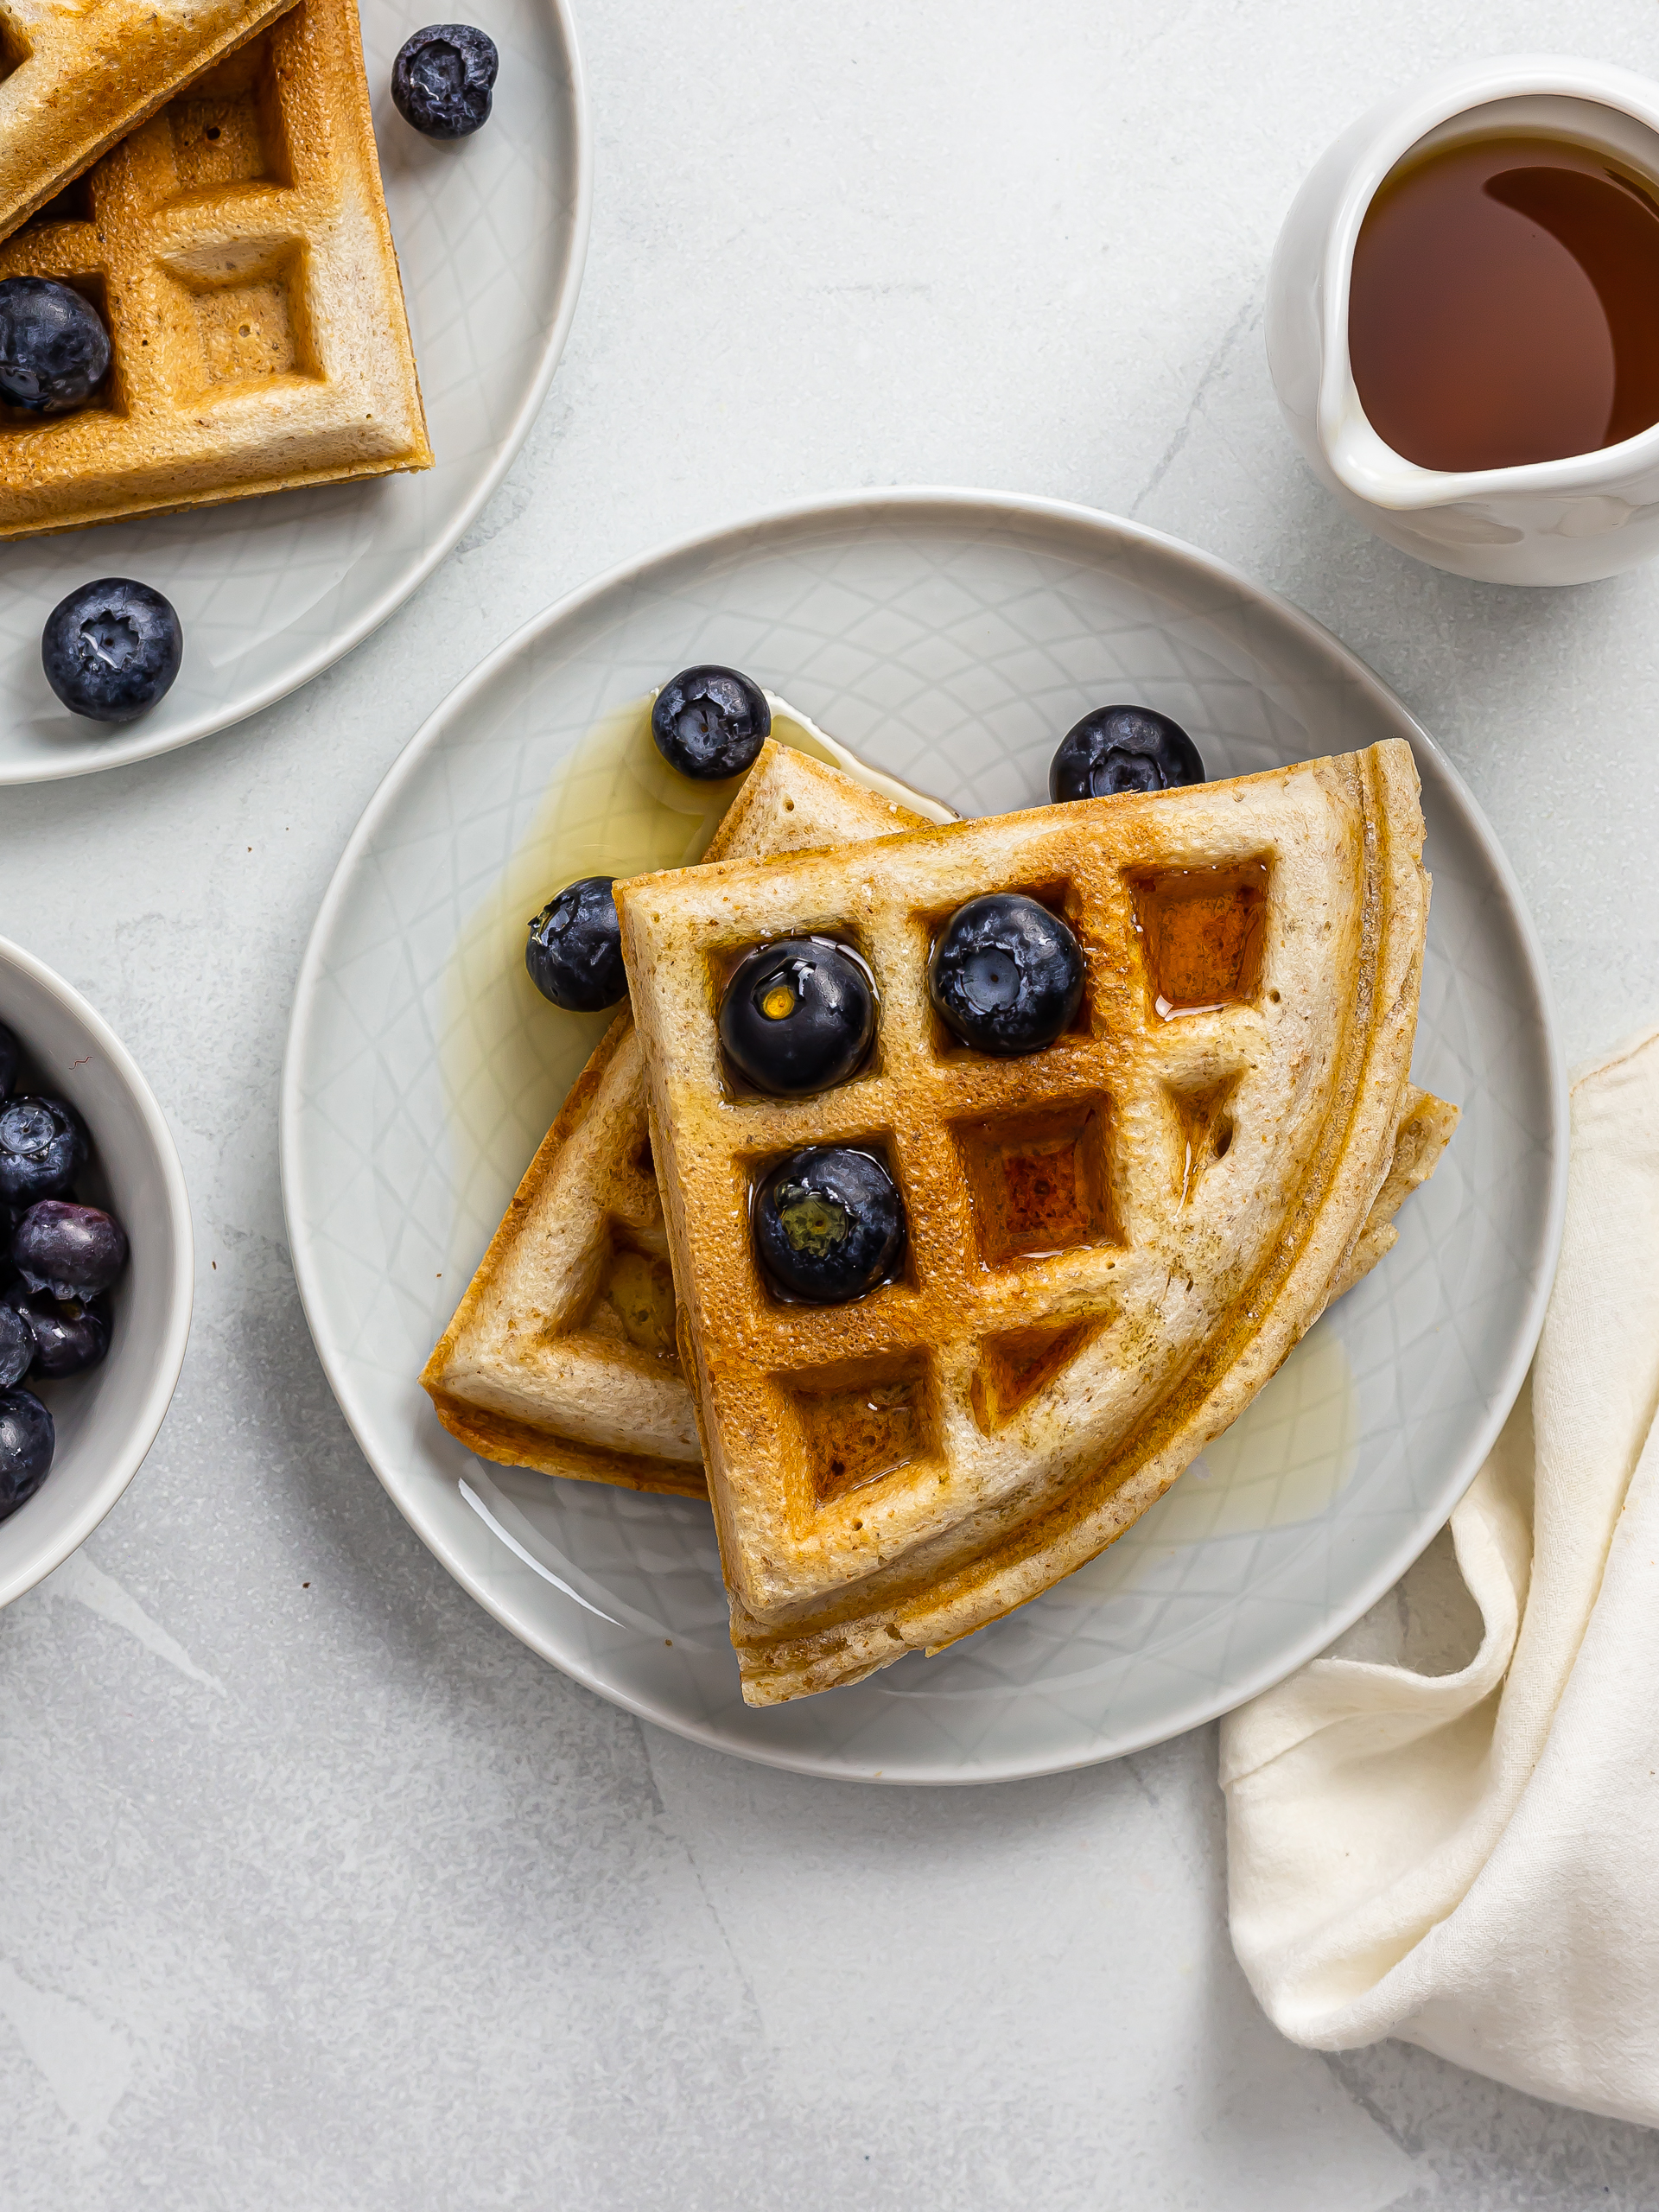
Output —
<point x="1113" y="1243"/>
<point x="205" y="172"/>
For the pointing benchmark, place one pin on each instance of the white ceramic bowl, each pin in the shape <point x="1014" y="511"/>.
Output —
<point x="1556" y="522"/>
<point x="106" y="1420"/>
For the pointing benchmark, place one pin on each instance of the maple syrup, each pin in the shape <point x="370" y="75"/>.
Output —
<point x="1285" y="1460"/>
<point x="1039" y="1184"/>
<point x="1504" y="303"/>
<point x="1202" y="929"/>
<point x="855" y="1436"/>
<point x="612" y="806"/>
<point x="1014" y="1367"/>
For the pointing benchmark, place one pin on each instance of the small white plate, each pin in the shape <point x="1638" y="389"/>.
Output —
<point x="491" y="232"/>
<point x="950" y="638"/>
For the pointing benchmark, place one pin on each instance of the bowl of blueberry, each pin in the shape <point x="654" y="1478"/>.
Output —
<point x="96" y="1266"/>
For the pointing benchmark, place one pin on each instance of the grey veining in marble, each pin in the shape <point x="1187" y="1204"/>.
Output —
<point x="319" y="1891"/>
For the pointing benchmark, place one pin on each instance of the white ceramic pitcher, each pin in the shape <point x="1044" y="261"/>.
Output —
<point x="1553" y="522"/>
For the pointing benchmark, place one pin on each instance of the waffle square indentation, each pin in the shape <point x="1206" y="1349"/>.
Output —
<point x="226" y="129"/>
<point x="633" y="1301"/>
<point x="1203" y="933"/>
<point x="248" y="306"/>
<point x="1040" y="1183"/>
<point x="1015" y="1366"/>
<point x="860" y="1424"/>
<point x="1204" y="1130"/>
<point x="878" y="1146"/>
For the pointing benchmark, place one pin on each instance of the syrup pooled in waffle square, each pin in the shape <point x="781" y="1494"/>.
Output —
<point x="77" y="75"/>
<point x="561" y="1354"/>
<point x="1113" y="1243"/>
<point x="238" y="248"/>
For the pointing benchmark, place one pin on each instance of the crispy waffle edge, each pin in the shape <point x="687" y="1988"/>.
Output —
<point x="520" y="1444"/>
<point x="496" y="1436"/>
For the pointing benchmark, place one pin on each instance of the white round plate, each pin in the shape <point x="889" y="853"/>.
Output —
<point x="949" y="639"/>
<point x="491" y="232"/>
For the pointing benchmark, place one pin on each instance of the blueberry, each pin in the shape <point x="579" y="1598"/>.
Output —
<point x="111" y="649"/>
<point x="442" y="79"/>
<point x="64" y="1336"/>
<point x="42" y="1148"/>
<point x="1006" y="975"/>
<point x="70" y="1250"/>
<point x="797" y="1015"/>
<point x="1122" y="749"/>
<point x="16" y="1346"/>
<point x="829" y="1224"/>
<point x="27" y="1442"/>
<point x="575" y="953"/>
<point x="710" y="722"/>
<point x="54" y="351"/>
<point x="10" y="1053"/>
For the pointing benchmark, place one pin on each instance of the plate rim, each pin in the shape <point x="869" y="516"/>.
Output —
<point x="308" y="669"/>
<point x="1006" y="508"/>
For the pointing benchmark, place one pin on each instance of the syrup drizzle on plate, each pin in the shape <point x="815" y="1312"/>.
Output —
<point x="613" y="807"/>
<point x="1287" y="1457"/>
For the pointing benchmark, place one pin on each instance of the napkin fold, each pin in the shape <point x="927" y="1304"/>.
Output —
<point x="1471" y="1860"/>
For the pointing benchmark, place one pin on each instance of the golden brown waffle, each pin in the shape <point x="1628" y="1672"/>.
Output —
<point x="1113" y="1243"/>
<point x="1425" y="1127"/>
<point x="238" y="247"/>
<point x="562" y="1354"/>
<point x="77" y="75"/>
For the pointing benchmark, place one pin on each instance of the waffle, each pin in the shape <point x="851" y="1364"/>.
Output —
<point x="236" y="244"/>
<point x="562" y="1354"/>
<point x="1113" y="1244"/>
<point x="77" y="75"/>
<point x="1426" y="1128"/>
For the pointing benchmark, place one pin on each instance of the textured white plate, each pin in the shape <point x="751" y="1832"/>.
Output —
<point x="491" y="232"/>
<point x="950" y="638"/>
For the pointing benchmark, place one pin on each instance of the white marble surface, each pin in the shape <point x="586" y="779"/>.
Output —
<point x="317" y="1890"/>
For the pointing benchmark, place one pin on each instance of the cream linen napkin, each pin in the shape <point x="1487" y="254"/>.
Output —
<point x="1471" y="1861"/>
